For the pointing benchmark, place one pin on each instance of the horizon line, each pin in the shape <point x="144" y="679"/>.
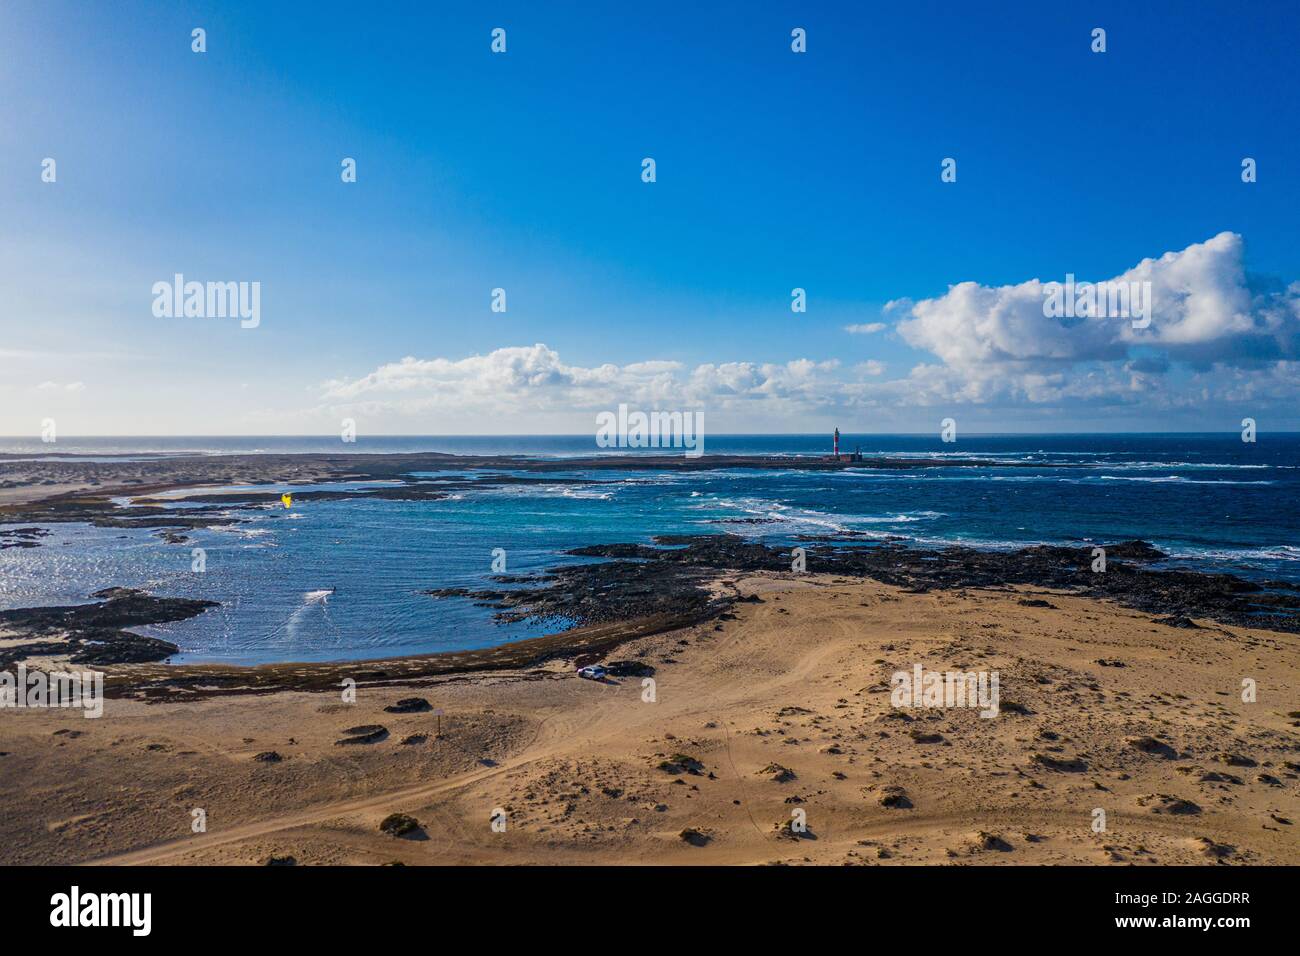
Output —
<point x="332" y="436"/>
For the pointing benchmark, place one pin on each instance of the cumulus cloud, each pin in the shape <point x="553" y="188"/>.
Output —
<point x="1206" y="312"/>
<point x="1203" y="308"/>
<point x="1216" y="334"/>
<point x="493" y="380"/>
<point x="535" y="379"/>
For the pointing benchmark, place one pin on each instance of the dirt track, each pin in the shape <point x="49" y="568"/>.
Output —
<point x="589" y="773"/>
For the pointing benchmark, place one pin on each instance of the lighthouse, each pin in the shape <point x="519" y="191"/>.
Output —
<point x="855" y="455"/>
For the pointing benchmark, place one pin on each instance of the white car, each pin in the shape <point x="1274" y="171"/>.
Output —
<point x="593" y="672"/>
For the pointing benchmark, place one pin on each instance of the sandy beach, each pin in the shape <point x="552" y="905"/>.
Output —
<point x="781" y="706"/>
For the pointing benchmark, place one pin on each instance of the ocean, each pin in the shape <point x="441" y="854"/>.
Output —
<point x="1212" y="501"/>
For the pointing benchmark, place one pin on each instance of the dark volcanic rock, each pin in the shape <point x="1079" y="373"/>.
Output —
<point x="22" y="537"/>
<point x="409" y="705"/>
<point x="1236" y="760"/>
<point x="1214" y="776"/>
<point x="95" y="633"/>
<point x="1165" y="803"/>
<point x="1156" y="748"/>
<point x="694" y="837"/>
<point x="399" y="824"/>
<point x="682" y="763"/>
<point x="209" y="508"/>
<point x="363" y="734"/>
<point x="895" y="798"/>
<point x="1175" y="595"/>
<point x="925" y="737"/>
<point x="629" y="669"/>
<point x="1215" y="851"/>
<point x="779" y="774"/>
<point x="604" y="593"/>
<point x="1135" y="551"/>
<point x="1064" y="764"/>
<point x="617" y="551"/>
<point x="103" y="513"/>
<point x="984" y="840"/>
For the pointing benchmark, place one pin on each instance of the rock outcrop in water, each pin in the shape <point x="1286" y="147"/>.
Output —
<point x="671" y="578"/>
<point x="95" y="633"/>
<point x="22" y="537"/>
<point x="98" y="484"/>
<point x="647" y="589"/>
<point x="603" y="593"/>
<point x="1129" y="579"/>
<point x="212" y="509"/>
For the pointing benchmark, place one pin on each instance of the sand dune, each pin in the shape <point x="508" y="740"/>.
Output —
<point x="779" y="713"/>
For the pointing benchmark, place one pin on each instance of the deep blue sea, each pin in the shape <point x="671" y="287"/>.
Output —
<point x="1211" y="501"/>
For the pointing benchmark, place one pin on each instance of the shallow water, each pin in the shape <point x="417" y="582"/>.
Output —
<point x="1211" y="501"/>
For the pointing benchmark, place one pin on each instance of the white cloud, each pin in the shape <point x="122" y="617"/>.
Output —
<point x="867" y="328"/>
<point x="1215" y="335"/>
<point x="518" y="378"/>
<point x="1203" y="309"/>
<point x="534" y="381"/>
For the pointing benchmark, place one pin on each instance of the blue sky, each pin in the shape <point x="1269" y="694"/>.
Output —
<point x="775" y="170"/>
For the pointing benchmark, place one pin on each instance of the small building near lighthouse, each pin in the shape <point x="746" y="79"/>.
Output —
<point x="855" y="455"/>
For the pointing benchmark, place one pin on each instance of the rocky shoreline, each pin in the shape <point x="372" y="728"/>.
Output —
<point x="95" y="634"/>
<point x="781" y="703"/>
<point x="1176" y="595"/>
<point x="55" y="487"/>
<point x="639" y="590"/>
<point x="640" y="580"/>
<point x="214" y="508"/>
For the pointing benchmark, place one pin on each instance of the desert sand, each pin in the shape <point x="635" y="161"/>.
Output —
<point x="781" y="706"/>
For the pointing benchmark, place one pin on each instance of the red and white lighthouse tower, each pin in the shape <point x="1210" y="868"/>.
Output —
<point x="837" y="443"/>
